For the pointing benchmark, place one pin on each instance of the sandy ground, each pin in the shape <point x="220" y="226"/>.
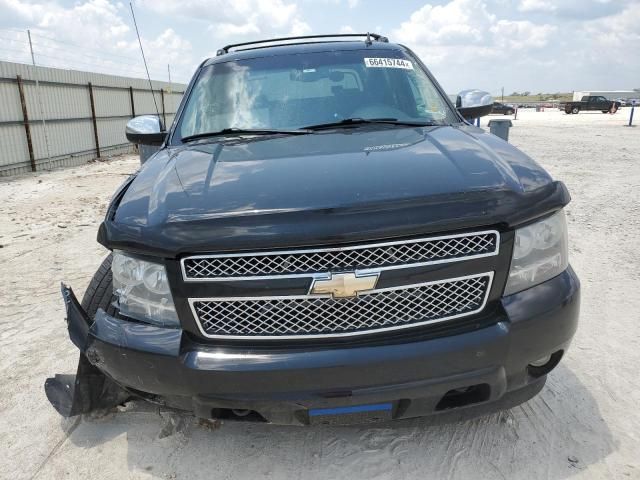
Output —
<point x="585" y="423"/>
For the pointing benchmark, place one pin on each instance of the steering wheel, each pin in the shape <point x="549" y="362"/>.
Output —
<point x="378" y="110"/>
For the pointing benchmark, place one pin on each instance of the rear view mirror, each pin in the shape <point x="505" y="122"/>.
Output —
<point x="474" y="103"/>
<point x="145" y="130"/>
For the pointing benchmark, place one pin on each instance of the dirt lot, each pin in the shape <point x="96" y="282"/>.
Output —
<point x="585" y="424"/>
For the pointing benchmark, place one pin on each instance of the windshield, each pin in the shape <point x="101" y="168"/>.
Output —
<point x="298" y="90"/>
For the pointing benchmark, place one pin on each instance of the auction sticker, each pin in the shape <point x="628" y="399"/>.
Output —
<point x="388" y="63"/>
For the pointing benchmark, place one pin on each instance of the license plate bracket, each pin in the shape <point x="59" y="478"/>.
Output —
<point x="355" y="414"/>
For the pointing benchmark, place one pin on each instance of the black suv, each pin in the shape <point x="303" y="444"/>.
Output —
<point x="322" y="238"/>
<point x="502" y="108"/>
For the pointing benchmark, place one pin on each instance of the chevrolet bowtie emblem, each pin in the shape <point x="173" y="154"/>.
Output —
<point x="344" y="285"/>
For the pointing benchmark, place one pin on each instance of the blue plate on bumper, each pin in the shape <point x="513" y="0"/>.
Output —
<point x="380" y="412"/>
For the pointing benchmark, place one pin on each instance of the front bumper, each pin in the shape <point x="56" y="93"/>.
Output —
<point x="281" y="385"/>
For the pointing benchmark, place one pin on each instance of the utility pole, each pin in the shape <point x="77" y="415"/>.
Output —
<point x="35" y="75"/>
<point x="502" y="101"/>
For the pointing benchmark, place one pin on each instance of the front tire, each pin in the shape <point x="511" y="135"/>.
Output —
<point x="99" y="293"/>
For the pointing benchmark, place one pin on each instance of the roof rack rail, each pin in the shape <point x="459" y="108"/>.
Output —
<point x="368" y="36"/>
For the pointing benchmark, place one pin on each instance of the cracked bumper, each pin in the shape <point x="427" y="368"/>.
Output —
<point x="282" y="385"/>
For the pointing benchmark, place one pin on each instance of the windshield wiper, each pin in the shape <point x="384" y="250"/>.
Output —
<point x="363" y="121"/>
<point x="244" y="131"/>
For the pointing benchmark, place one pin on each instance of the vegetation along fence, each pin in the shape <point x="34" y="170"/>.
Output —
<point x="84" y="114"/>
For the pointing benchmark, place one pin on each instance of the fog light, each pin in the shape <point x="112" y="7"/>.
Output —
<point x="541" y="362"/>
<point x="544" y="365"/>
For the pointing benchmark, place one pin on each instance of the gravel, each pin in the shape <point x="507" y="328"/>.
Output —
<point x="584" y="424"/>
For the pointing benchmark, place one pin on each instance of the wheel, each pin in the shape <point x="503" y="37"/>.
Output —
<point x="575" y="110"/>
<point x="567" y="110"/>
<point x="99" y="293"/>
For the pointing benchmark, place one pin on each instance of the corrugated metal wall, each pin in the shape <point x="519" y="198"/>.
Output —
<point x="64" y="100"/>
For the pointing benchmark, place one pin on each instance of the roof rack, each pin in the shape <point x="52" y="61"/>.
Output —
<point x="368" y="36"/>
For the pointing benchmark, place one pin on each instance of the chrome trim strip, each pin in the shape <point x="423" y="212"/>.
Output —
<point x="192" y="301"/>
<point x="363" y="271"/>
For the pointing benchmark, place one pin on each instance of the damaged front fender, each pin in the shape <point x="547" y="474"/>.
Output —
<point x="89" y="389"/>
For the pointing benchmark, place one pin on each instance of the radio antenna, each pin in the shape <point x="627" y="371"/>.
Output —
<point x="135" y="24"/>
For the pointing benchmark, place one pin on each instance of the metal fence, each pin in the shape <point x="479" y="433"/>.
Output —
<point x="84" y="115"/>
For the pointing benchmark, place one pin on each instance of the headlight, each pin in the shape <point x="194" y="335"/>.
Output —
<point x="540" y="252"/>
<point x="142" y="290"/>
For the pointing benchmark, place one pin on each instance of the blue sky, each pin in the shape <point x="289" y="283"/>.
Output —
<point x="534" y="45"/>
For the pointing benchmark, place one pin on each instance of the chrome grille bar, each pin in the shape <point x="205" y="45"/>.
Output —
<point x="309" y="262"/>
<point x="321" y="316"/>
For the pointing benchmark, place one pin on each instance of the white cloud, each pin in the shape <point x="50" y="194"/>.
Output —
<point x="298" y="27"/>
<point x="521" y="44"/>
<point x="170" y="42"/>
<point x="458" y="22"/>
<point x="76" y="22"/>
<point x="510" y="35"/>
<point x="536" y="6"/>
<point x="479" y="43"/>
<point x="96" y="36"/>
<point x="612" y="41"/>
<point x="237" y="18"/>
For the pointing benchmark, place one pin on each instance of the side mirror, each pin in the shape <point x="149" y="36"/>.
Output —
<point x="474" y="103"/>
<point x="145" y="130"/>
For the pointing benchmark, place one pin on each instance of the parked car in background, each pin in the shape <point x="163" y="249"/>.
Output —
<point x="503" y="109"/>
<point x="322" y="238"/>
<point x="591" y="103"/>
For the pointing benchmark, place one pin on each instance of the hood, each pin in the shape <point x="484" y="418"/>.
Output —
<point x="326" y="187"/>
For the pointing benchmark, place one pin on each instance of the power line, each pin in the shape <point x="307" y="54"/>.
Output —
<point x="44" y="46"/>
<point x="140" y="76"/>
<point x="80" y="62"/>
<point x="16" y="40"/>
<point x="42" y="50"/>
<point x="15" y="50"/>
<point x="64" y="42"/>
<point x="13" y="30"/>
<point x="57" y="56"/>
<point x="102" y="63"/>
